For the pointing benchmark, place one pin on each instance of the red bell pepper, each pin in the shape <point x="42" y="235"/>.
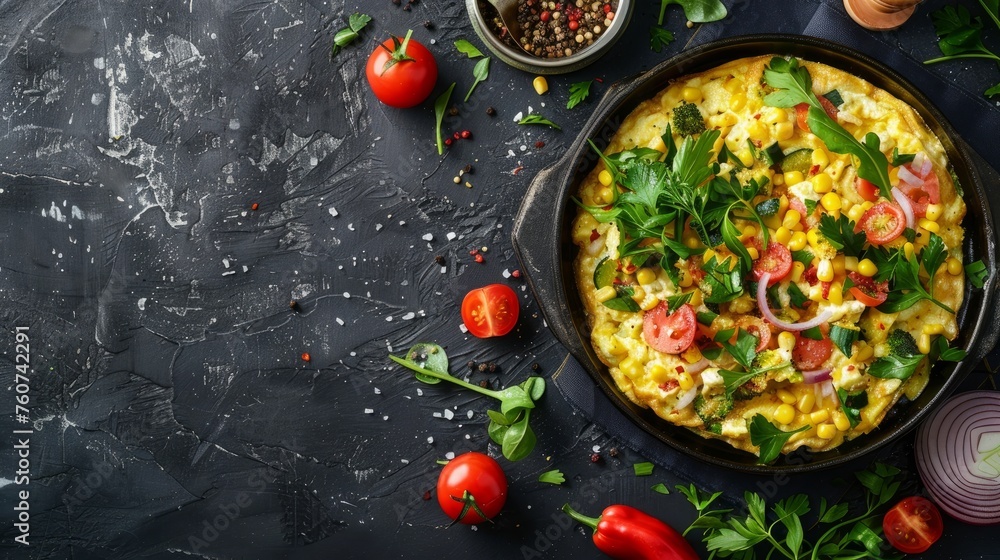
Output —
<point x="626" y="533"/>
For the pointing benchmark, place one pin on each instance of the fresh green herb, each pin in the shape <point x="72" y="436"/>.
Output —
<point x="643" y="469"/>
<point x="468" y="49"/>
<point x="480" y="72"/>
<point x="721" y="283"/>
<point x="347" y="35"/>
<point x="552" y="477"/>
<point x="895" y="367"/>
<point x="623" y="301"/>
<point x="840" y="233"/>
<point x="578" y="91"/>
<point x="812" y="334"/>
<point x="851" y="404"/>
<point x="757" y="533"/>
<point x="977" y="273"/>
<point x="659" y="38"/>
<point x="960" y="36"/>
<point x="509" y="427"/>
<point x="769" y="438"/>
<point x="687" y="119"/>
<point x="766" y="208"/>
<point x="795" y="295"/>
<point x="910" y="234"/>
<point x="804" y="256"/>
<point x="843" y="338"/>
<point x="706" y="317"/>
<point x="810" y="206"/>
<point x="698" y="11"/>
<point x="660" y="488"/>
<point x="794" y="85"/>
<point x="440" y="108"/>
<point x="833" y="96"/>
<point x="907" y="289"/>
<point x="745" y="348"/>
<point x="941" y="351"/>
<point x="535" y="118"/>
<point x="932" y="257"/>
<point x="900" y="159"/>
<point x="675" y="302"/>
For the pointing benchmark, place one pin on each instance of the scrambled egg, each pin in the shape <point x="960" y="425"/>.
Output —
<point x="688" y="390"/>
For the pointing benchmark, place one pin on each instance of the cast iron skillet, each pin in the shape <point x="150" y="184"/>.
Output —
<point x="542" y="241"/>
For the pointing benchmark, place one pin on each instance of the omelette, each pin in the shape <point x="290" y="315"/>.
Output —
<point x="770" y="254"/>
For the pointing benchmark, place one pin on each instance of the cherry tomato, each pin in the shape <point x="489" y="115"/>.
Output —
<point x="866" y="189"/>
<point x="913" y="525"/>
<point x="868" y="291"/>
<point x="401" y="73"/>
<point x="920" y="196"/>
<point x="756" y="327"/>
<point x="777" y="260"/>
<point x="802" y="112"/>
<point x="490" y="311"/>
<point x="670" y="334"/>
<point x="810" y="354"/>
<point x="882" y="223"/>
<point x="472" y="478"/>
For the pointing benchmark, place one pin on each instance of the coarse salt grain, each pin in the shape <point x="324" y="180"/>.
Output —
<point x="340" y="321"/>
<point x="428" y="237"/>
<point x="506" y="273"/>
<point x="451" y="235"/>
<point x="430" y="439"/>
<point x="448" y="414"/>
<point x="378" y="391"/>
<point x="596" y="448"/>
<point x="333" y="212"/>
<point x="470" y="414"/>
<point x="449" y="455"/>
<point x="369" y="411"/>
<point x="463" y="328"/>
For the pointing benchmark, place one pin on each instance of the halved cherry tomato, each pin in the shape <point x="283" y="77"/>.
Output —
<point x="868" y="291"/>
<point x="472" y="478"/>
<point x="920" y="196"/>
<point x="490" y="311"/>
<point x="756" y="327"/>
<point x="802" y="112"/>
<point x="866" y="189"/>
<point x="882" y="223"/>
<point x="777" y="260"/>
<point x="810" y="354"/>
<point x="913" y="525"/>
<point x="670" y="334"/>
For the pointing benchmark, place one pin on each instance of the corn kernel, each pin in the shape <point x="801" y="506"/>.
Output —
<point x="933" y="328"/>
<point x="783" y="235"/>
<point x="867" y="268"/>
<point x="797" y="270"/>
<point x="686" y="279"/>
<point x="934" y="212"/>
<point x="815" y="293"/>
<point x="836" y="295"/>
<point x="650" y="303"/>
<point x="907" y="249"/>
<point x="791" y="218"/>
<point x="954" y="266"/>
<point x="812" y="236"/>
<point x="746" y="158"/>
<point x="748" y="232"/>
<point x="864" y="352"/>
<point x="841" y="422"/>
<point x="798" y="227"/>
<point x="605" y="177"/>
<point x="855" y="212"/>
<point x="839" y="265"/>
<point x="605" y="294"/>
<point x="851" y="264"/>
<point x="793" y="177"/>
<point x="630" y="367"/>
<point x="778" y="179"/>
<point x="783" y="200"/>
<point x="696" y="300"/>
<point x="797" y="242"/>
<point x="785" y="395"/>
<point x="658" y="372"/>
<point x="616" y="347"/>
<point x="685" y="381"/>
<point x="784" y="131"/>
<point x="831" y="201"/>
<point x="826" y="431"/>
<point x="540" y="84"/>
<point x="691" y="94"/>
<point x="692" y="355"/>
<point x="773" y="221"/>
<point x="806" y="402"/>
<point x="786" y="340"/>
<point x="658" y="144"/>
<point x="924" y="343"/>
<point x="754" y="253"/>
<point x="824" y="271"/>
<point x="720" y="141"/>
<point x="638" y="293"/>
<point x="822" y="183"/>
<point x="604" y="196"/>
<point x="784" y="414"/>
<point x="929" y="225"/>
<point x="820" y="416"/>
<point x="691" y="240"/>
<point x="737" y="101"/>
<point x="773" y="115"/>
<point x="645" y="276"/>
<point x="734" y="85"/>
<point x="820" y="159"/>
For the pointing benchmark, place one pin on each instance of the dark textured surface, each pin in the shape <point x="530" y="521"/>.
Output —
<point x="168" y="392"/>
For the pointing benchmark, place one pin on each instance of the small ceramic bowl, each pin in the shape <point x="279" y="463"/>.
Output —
<point x="482" y="13"/>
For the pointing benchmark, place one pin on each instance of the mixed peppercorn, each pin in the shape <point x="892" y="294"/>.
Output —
<point x="557" y="29"/>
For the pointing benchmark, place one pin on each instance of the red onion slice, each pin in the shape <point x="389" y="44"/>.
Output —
<point x="686" y="398"/>
<point x="955" y="460"/>
<point x="816" y="321"/>
<point x="595" y="246"/>
<point x="904" y="202"/>
<point x="697" y="366"/>
<point x="816" y="375"/>
<point x="921" y="165"/>
<point x="907" y="176"/>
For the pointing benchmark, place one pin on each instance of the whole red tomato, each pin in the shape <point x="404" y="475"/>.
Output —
<point x="472" y="488"/>
<point x="401" y="73"/>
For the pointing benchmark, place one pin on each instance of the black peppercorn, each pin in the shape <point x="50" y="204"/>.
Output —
<point x="428" y="24"/>
<point x="491" y="111"/>
<point x="483" y="367"/>
<point x="439" y="259"/>
<point x="535" y="367"/>
<point x="472" y="364"/>
<point x="493" y="367"/>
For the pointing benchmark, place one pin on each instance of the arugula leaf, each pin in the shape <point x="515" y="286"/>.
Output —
<point x="554" y="476"/>
<point x="977" y="273"/>
<point x="941" y="351"/>
<point x="795" y="295"/>
<point x="698" y="11"/>
<point x="735" y="379"/>
<point x="675" y="302"/>
<point x="578" y="91"/>
<point x="468" y="49"/>
<point x="843" y="338"/>
<point x="895" y="367"/>
<point x="623" y="301"/>
<point x="840" y="233"/>
<point x="440" y="107"/>
<point x="900" y="159"/>
<point x="347" y="35"/>
<point x="851" y="404"/>
<point x="769" y="438"/>
<point x="480" y="72"/>
<point x="659" y="38"/>
<point x="643" y="469"/>
<point x="794" y="86"/>
<point x="535" y="118"/>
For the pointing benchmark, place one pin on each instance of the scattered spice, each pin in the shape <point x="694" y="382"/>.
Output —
<point x="306" y="357"/>
<point x="468" y="185"/>
<point x="428" y="24"/>
<point x="467" y="169"/>
<point x="254" y="206"/>
<point x="491" y="111"/>
<point x="482" y="367"/>
<point x="613" y="451"/>
<point x="472" y="364"/>
<point x="439" y="259"/>
<point x="427" y="494"/>
<point x="466" y="134"/>
<point x="516" y="273"/>
<point x="480" y="259"/>
<point x="448" y="141"/>
<point x="492" y="367"/>
<point x="595" y="458"/>
<point x="453" y="111"/>
<point x="484" y="384"/>
<point x="294" y="305"/>
<point x="555" y="29"/>
<point x="456" y="179"/>
<point x="535" y="367"/>
<point x="539" y="145"/>
<point x="396" y="2"/>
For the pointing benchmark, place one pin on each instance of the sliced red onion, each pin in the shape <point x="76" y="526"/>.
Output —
<point x="907" y="176"/>
<point x="958" y="456"/>
<point x="904" y="202"/>
<point x="828" y="390"/>
<point x="816" y="375"/>
<point x="922" y="165"/>
<point x="595" y="247"/>
<point x="816" y="321"/>
<point x="697" y="366"/>
<point x="686" y="398"/>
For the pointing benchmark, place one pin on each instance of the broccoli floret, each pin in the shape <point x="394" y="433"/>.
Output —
<point x="755" y="386"/>
<point x="688" y="120"/>
<point x="713" y="408"/>
<point x="901" y="343"/>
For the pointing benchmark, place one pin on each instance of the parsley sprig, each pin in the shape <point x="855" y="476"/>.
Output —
<point x="904" y="275"/>
<point x="578" y="91"/>
<point x="960" y="35"/>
